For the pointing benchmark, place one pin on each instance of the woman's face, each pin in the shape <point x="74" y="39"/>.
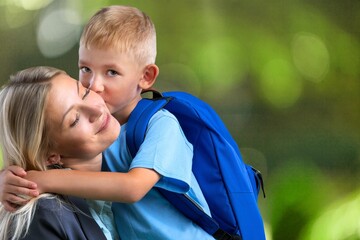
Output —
<point x="80" y="124"/>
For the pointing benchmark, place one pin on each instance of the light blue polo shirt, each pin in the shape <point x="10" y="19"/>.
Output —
<point x="102" y="214"/>
<point x="166" y="150"/>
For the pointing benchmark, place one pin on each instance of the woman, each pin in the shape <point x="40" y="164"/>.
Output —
<point x="49" y="119"/>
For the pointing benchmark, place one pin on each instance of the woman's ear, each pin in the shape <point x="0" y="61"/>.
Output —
<point x="150" y="74"/>
<point x="53" y="159"/>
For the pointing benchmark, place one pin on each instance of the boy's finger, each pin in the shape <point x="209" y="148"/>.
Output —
<point x="13" y="200"/>
<point x="10" y="207"/>
<point x="18" y="171"/>
<point x="21" y="192"/>
<point x="20" y="182"/>
<point x="8" y="177"/>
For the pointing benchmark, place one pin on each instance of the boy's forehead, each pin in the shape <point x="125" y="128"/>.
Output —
<point x="104" y="55"/>
<point x="109" y="50"/>
<point x="119" y="47"/>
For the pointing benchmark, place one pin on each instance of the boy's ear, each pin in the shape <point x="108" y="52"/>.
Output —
<point x="53" y="158"/>
<point x="150" y="74"/>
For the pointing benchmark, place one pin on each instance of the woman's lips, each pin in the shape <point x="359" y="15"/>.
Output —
<point x="105" y="123"/>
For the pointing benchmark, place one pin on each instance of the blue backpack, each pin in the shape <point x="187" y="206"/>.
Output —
<point x="229" y="185"/>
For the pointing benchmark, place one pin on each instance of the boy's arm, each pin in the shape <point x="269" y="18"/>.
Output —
<point x="111" y="186"/>
<point x="13" y="185"/>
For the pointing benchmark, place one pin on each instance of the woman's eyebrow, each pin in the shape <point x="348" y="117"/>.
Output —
<point x="66" y="112"/>
<point x="78" y="87"/>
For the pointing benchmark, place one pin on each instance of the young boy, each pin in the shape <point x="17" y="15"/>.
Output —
<point x="117" y="60"/>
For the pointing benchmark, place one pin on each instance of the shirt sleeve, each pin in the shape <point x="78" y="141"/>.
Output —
<point x="167" y="151"/>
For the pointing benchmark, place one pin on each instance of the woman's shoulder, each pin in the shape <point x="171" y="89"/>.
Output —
<point x="54" y="204"/>
<point x="53" y="210"/>
<point x="66" y="206"/>
<point x="58" y="217"/>
<point x="47" y="220"/>
<point x="50" y="202"/>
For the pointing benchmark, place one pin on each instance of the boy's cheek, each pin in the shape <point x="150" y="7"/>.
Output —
<point x="83" y="81"/>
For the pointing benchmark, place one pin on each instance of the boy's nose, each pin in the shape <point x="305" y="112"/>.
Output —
<point x="96" y="84"/>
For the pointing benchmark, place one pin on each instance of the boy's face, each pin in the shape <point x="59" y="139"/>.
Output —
<point x="113" y="75"/>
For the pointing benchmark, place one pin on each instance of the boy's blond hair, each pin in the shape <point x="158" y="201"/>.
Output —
<point x="127" y="29"/>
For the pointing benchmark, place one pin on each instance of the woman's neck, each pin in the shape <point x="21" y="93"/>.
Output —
<point x="93" y="165"/>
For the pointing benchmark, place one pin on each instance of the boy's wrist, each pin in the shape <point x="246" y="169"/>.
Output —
<point x="41" y="179"/>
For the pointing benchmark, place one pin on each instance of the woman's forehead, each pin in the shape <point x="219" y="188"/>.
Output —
<point x="64" y="93"/>
<point x="63" y="85"/>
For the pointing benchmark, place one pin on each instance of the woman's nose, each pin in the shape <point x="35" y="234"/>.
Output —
<point x="94" y="112"/>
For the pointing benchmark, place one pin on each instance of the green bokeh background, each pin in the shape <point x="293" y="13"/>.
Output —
<point x="283" y="75"/>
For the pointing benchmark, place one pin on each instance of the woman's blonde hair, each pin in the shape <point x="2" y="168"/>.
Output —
<point x="126" y="29"/>
<point x="24" y="140"/>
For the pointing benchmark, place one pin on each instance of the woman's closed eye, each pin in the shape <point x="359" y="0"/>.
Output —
<point x="75" y="122"/>
<point x="87" y="91"/>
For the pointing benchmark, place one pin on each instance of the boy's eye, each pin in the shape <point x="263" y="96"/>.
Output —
<point x="112" y="73"/>
<point x="85" y="69"/>
<point x="75" y="122"/>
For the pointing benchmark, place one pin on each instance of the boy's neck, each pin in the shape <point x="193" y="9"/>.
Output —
<point x="121" y="118"/>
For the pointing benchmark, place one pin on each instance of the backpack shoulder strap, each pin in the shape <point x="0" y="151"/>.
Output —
<point x="139" y="119"/>
<point x="135" y="134"/>
<point x="194" y="212"/>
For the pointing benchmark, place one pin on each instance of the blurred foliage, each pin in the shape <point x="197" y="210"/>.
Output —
<point x="339" y="221"/>
<point x="284" y="76"/>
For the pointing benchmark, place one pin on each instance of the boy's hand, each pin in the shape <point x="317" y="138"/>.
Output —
<point x="14" y="189"/>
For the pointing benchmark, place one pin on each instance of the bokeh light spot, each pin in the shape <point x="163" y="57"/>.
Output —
<point x="279" y="83"/>
<point x="31" y="4"/>
<point x="58" y="32"/>
<point x="311" y="56"/>
<point x="221" y="62"/>
<point x="339" y="221"/>
<point x="15" y="17"/>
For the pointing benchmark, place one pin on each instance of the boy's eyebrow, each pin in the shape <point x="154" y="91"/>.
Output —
<point x="111" y="65"/>
<point x="117" y="67"/>
<point x="81" y="62"/>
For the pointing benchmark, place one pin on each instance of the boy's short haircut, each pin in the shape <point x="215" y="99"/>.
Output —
<point x="124" y="28"/>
